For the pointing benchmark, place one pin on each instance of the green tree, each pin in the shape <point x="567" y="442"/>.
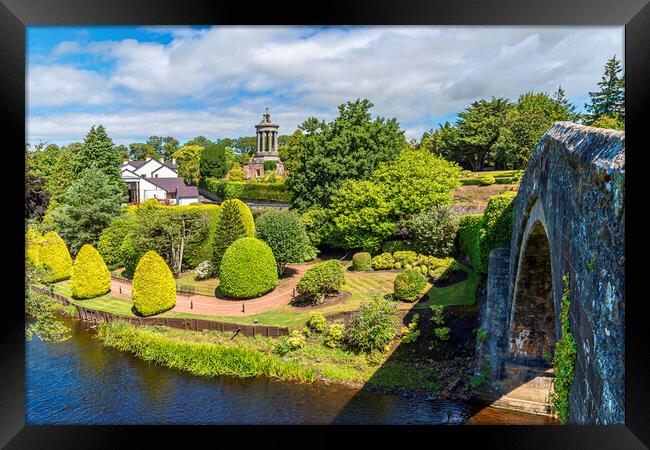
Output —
<point x="156" y="142"/>
<point x="98" y="150"/>
<point x="235" y="221"/>
<point x="525" y="123"/>
<point x="349" y="147"/>
<point x="123" y="151"/>
<point x="610" y="98"/>
<point x="609" y="121"/>
<point x="290" y="153"/>
<point x="236" y="173"/>
<point x="443" y="142"/>
<point x="201" y="141"/>
<point x="188" y="159"/>
<point x="139" y="151"/>
<point x="564" y="109"/>
<point x="286" y="235"/>
<point x="169" y="147"/>
<point x="213" y="161"/>
<point x="89" y="205"/>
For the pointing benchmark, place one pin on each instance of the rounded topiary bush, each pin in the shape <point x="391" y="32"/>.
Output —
<point x="320" y="280"/>
<point x="154" y="288"/>
<point x="33" y="241"/>
<point x="55" y="258"/>
<point x="361" y="261"/>
<point x="248" y="269"/>
<point x="409" y="284"/>
<point x="487" y="180"/>
<point x="90" y="276"/>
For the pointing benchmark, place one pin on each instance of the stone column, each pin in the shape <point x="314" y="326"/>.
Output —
<point x="257" y="144"/>
<point x="276" y="141"/>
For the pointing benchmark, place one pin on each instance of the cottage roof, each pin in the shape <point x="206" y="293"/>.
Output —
<point x="168" y="184"/>
<point x="187" y="192"/>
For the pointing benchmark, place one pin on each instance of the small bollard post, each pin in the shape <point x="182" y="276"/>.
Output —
<point x="243" y="307"/>
<point x="293" y="293"/>
<point x="191" y="304"/>
<point x="120" y="289"/>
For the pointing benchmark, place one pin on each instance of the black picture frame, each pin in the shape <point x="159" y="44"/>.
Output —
<point x="15" y="15"/>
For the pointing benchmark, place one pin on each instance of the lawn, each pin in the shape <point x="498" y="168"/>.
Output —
<point x="203" y="287"/>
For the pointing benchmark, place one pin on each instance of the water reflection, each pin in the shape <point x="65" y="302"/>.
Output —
<point x="81" y="382"/>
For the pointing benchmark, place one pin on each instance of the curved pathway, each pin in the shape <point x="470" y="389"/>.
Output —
<point x="211" y="306"/>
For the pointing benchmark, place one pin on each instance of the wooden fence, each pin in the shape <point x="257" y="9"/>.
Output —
<point x="95" y="316"/>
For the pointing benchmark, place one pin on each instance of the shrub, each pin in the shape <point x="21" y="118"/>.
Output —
<point x="154" y="288"/>
<point x="110" y="242"/>
<point x="487" y="180"/>
<point x="410" y="333"/>
<point x="373" y="326"/>
<point x="55" y="258"/>
<point x="33" y="243"/>
<point x="317" y="322"/>
<point x="90" y="276"/>
<point x="316" y="220"/>
<point x="200" y="247"/>
<point x="383" y="261"/>
<point x="441" y="268"/>
<point x="203" y="271"/>
<point x="248" y="269"/>
<point x="442" y="333"/>
<point x="295" y="341"/>
<point x="234" y="221"/>
<point x="408" y="285"/>
<point x="497" y="225"/>
<point x="322" y="279"/>
<point x="397" y="246"/>
<point x="481" y="335"/>
<point x="236" y="173"/>
<point x="437" y="314"/>
<point x="246" y="190"/>
<point x="564" y="358"/>
<point x="433" y="232"/>
<point x="468" y="238"/>
<point x="397" y="265"/>
<point x="286" y="235"/>
<point x="405" y="257"/>
<point x="334" y="336"/>
<point x="130" y="255"/>
<point x="361" y="261"/>
<point x="270" y="165"/>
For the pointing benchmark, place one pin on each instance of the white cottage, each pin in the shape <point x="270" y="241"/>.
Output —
<point x="155" y="178"/>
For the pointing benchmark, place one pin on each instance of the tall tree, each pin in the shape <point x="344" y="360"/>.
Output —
<point x="213" y="161"/>
<point x="201" y="141"/>
<point x="188" y="159"/>
<point x="349" y="147"/>
<point x="610" y="98"/>
<point x="98" y="150"/>
<point x="139" y="151"/>
<point x="89" y="205"/>
<point x="564" y="109"/>
<point x="443" y="142"/>
<point x="169" y="147"/>
<point x="290" y="152"/>
<point x="156" y="142"/>
<point x="479" y="126"/>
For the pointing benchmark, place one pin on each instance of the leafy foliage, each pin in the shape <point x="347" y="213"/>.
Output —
<point x="468" y="238"/>
<point x="235" y="221"/>
<point x="110" y="241"/>
<point x="609" y="100"/>
<point x="44" y="325"/>
<point x="348" y="148"/>
<point x="317" y="322"/>
<point x="410" y="333"/>
<point x="316" y="220"/>
<point x="433" y="232"/>
<point x="236" y="173"/>
<point x="286" y="235"/>
<point x="270" y="165"/>
<point x="247" y="190"/>
<point x="334" y="336"/>
<point x="383" y="261"/>
<point x="90" y="276"/>
<point x="55" y="258"/>
<point x="203" y="271"/>
<point x="213" y="161"/>
<point x="609" y="121"/>
<point x="320" y="280"/>
<point x="248" y="269"/>
<point x="497" y="225"/>
<point x="154" y="288"/>
<point x="564" y="359"/>
<point x="98" y="151"/>
<point x="188" y="160"/>
<point x="361" y="261"/>
<point x="408" y="285"/>
<point x="89" y="205"/>
<point x="373" y="326"/>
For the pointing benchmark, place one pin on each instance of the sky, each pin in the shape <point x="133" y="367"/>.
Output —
<point x="215" y="81"/>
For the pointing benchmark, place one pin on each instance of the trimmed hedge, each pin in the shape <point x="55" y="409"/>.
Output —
<point x="479" y="181"/>
<point x="154" y="288"/>
<point x="468" y="238"/>
<point x="248" y="269"/>
<point x="55" y="258"/>
<point x="497" y="224"/>
<point x="90" y="276"/>
<point x="33" y="242"/>
<point x="234" y="221"/>
<point x="321" y="279"/>
<point x="383" y="262"/>
<point x="200" y="248"/>
<point x="408" y="285"/>
<point x="246" y="190"/>
<point x="361" y="261"/>
<point x="111" y="240"/>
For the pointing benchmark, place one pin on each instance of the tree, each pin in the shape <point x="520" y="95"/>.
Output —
<point x="234" y="221"/>
<point x="123" y="151"/>
<point x="290" y="153"/>
<point x="479" y="126"/>
<point x="36" y="199"/>
<point x="213" y="161"/>
<point x="525" y="123"/>
<point x="443" y="142"/>
<point x="169" y="147"/>
<point x="349" y="147"/>
<point x="156" y="142"/>
<point x="98" y="150"/>
<point x="89" y="205"/>
<point x="286" y="235"/>
<point x="188" y="159"/>
<point x="610" y="98"/>
<point x="609" y="121"/>
<point x="564" y="109"/>
<point x="236" y="173"/>
<point x="201" y="141"/>
<point x="433" y="232"/>
<point x="138" y="152"/>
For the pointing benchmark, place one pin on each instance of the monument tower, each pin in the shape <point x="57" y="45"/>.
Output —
<point x="266" y="148"/>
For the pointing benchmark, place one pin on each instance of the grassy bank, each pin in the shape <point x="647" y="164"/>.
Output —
<point x="212" y="353"/>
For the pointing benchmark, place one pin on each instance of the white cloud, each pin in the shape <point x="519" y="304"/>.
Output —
<point x="412" y="73"/>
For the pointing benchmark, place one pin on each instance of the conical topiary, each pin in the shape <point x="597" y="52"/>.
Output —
<point x="55" y="258"/>
<point x="90" y="276"/>
<point x="33" y="242"/>
<point x="248" y="269"/>
<point x="235" y="221"/>
<point x="154" y="288"/>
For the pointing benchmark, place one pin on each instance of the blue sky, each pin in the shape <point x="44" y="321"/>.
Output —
<point x="216" y="81"/>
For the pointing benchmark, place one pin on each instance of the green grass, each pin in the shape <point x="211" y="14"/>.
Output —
<point x="494" y="173"/>
<point x="202" y="287"/>
<point x="457" y="294"/>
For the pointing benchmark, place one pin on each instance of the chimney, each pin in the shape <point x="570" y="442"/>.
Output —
<point x="162" y="160"/>
<point x="174" y="161"/>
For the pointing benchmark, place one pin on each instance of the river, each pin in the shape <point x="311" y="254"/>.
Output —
<point x="81" y="382"/>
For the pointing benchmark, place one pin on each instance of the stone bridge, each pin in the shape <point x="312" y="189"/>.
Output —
<point x="568" y="220"/>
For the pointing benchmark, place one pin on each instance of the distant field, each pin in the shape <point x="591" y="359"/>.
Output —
<point x="473" y="199"/>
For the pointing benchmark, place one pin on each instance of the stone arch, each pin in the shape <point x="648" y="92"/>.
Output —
<point x="533" y="324"/>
